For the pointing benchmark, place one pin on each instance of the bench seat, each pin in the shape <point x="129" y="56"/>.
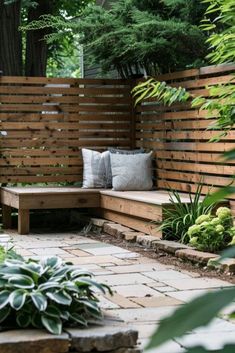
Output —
<point x="135" y="209"/>
<point x="25" y="199"/>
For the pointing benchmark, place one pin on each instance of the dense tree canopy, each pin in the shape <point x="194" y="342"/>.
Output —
<point x="137" y="37"/>
<point x="144" y="36"/>
<point x="27" y="53"/>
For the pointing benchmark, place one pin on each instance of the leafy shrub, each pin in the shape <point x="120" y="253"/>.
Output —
<point x="210" y="233"/>
<point x="180" y="215"/>
<point x="47" y="293"/>
<point x="8" y="254"/>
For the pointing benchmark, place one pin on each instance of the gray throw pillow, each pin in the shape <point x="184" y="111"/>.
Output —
<point x="118" y="150"/>
<point x="96" y="169"/>
<point x="132" y="171"/>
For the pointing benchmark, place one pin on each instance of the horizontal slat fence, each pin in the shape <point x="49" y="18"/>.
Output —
<point x="44" y="122"/>
<point x="179" y="138"/>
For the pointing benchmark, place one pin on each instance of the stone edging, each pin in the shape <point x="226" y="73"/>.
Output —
<point x="112" y="337"/>
<point x="181" y="251"/>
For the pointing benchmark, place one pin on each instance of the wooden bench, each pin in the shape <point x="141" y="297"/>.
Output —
<point x="140" y="210"/>
<point x="25" y="199"/>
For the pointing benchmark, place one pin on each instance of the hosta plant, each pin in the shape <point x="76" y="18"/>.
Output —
<point x="212" y="233"/>
<point x="47" y="294"/>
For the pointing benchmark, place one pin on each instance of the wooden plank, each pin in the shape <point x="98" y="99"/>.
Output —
<point x="132" y="208"/>
<point x="135" y="223"/>
<point x="23" y="221"/>
<point x="193" y="156"/>
<point x="63" y="126"/>
<point x="64" y="117"/>
<point x="196" y="167"/>
<point x="62" y="80"/>
<point x="6" y="217"/>
<point x="59" y="200"/>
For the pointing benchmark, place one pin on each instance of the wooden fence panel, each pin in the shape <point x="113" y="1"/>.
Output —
<point x="44" y="122"/>
<point x="179" y="138"/>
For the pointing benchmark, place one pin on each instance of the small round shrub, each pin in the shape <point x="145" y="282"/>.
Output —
<point x="210" y="233"/>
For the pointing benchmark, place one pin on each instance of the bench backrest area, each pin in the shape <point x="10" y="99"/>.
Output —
<point x="179" y="137"/>
<point x="45" y="121"/>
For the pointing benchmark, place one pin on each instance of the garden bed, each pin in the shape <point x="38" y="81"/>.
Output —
<point x="184" y="256"/>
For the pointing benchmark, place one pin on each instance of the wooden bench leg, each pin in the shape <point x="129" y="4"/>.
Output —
<point x="23" y="221"/>
<point x="6" y="217"/>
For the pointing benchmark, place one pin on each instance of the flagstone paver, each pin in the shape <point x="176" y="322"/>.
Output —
<point x="145" y="291"/>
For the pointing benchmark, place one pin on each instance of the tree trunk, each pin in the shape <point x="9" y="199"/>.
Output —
<point x="10" y="39"/>
<point x="36" y="46"/>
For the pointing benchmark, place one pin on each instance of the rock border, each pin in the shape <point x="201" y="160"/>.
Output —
<point x="181" y="251"/>
<point x="112" y="337"/>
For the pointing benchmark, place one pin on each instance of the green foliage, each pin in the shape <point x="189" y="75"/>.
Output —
<point x="47" y="294"/>
<point x="134" y="37"/>
<point x="8" y="254"/>
<point x="212" y="233"/>
<point x="180" y="215"/>
<point x="159" y="90"/>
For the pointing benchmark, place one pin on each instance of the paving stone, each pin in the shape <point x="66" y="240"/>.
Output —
<point x="107" y="250"/>
<point x="128" y="255"/>
<point x="159" y="301"/>
<point x="116" y="280"/>
<point x="146" y="240"/>
<point x="130" y="236"/>
<point x="31" y="341"/>
<point x="35" y="244"/>
<point x="188" y="295"/>
<point x="212" y="341"/>
<point x="98" y="260"/>
<point x="136" y="290"/>
<point x="217" y="325"/>
<point x="164" y="289"/>
<point x="168" y="246"/>
<point x="195" y="255"/>
<point x="139" y="268"/>
<point x="145" y="330"/>
<point x="121" y="301"/>
<point x="24" y="252"/>
<point x="144" y="314"/>
<point x="77" y="252"/>
<point x="115" y="229"/>
<point x="196" y="283"/>
<point x="102" y="339"/>
<point x="164" y="275"/>
<point x="169" y="347"/>
<point x="227" y="265"/>
<point x="48" y="251"/>
<point x="98" y="222"/>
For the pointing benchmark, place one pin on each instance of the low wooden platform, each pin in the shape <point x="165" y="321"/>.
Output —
<point x="25" y="199"/>
<point x="140" y="210"/>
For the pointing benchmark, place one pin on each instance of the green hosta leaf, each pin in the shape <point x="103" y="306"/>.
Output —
<point x="53" y="262"/>
<point x="52" y="310"/>
<point x="70" y="286"/>
<point x="204" y="309"/>
<point x="90" y="282"/>
<point x="89" y="304"/>
<point x="39" y="300"/>
<point x="80" y="273"/>
<point x="79" y="319"/>
<point x="52" y="324"/>
<point x="65" y="315"/>
<point x="36" y="320"/>
<point x="60" y="297"/>
<point x="22" y="281"/>
<point x="62" y="271"/>
<point x="5" y="270"/>
<point x="4" y="298"/>
<point x="17" y="299"/>
<point x="32" y="269"/>
<point x="4" y="312"/>
<point x="48" y="285"/>
<point x="23" y="319"/>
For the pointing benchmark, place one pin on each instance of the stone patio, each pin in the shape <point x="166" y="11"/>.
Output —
<point x="144" y="290"/>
